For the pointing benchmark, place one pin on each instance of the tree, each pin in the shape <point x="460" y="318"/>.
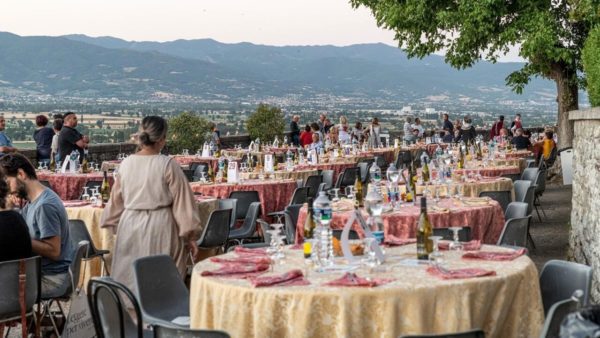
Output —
<point x="591" y="65"/>
<point x="187" y="131"/>
<point x="551" y="34"/>
<point x="266" y="123"/>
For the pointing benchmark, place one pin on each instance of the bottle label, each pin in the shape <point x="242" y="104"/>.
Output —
<point x="323" y="214"/>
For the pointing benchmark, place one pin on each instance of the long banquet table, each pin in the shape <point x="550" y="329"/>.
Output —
<point x="70" y="186"/>
<point x="505" y="305"/>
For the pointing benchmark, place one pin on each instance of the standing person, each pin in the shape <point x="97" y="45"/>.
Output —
<point x="321" y="121"/>
<point x="305" y="137"/>
<point x="43" y="139"/>
<point x="70" y="138"/>
<point x="358" y="133"/>
<point x="168" y="223"/>
<point x="46" y="218"/>
<point x="343" y="135"/>
<point x="57" y="126"/>
<point x="15" y="242"/>
<point x="408" y="131"/>
<point x="447" y="125"/>
<point x="327" y="126"/>
<point x="214" y="137"/>
<point x="457" y="125"/>
<point x="374" y="133"/>
<point x="495" y="131"/>
<point x="295" y="130"/>
<point x="6" y="145"/>
<point x="467" y="131"/>
<point x="516" y="124"/>
<point x="417" y="126"/>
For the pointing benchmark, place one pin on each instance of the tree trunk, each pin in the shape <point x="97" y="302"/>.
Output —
<point x="568" y="99"/>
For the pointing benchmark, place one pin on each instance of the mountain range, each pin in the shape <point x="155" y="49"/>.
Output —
<point x="107" y="67"/>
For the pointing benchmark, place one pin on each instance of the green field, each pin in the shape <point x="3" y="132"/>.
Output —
<point x="24" y="144"/>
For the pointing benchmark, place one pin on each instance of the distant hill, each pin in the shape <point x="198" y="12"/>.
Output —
<point x="82" y="66"/>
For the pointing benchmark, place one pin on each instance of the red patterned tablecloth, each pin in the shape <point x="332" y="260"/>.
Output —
<point x="274" y="195"/>
<point x="70" y="186"/>
<point x="337" y="167"/>
<point x="486" y="219"/>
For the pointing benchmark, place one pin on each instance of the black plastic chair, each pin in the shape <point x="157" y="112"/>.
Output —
<point x="161" y="331"/>
<point x="337" y="233"/>
<point x="313" y="182"/>
<point x="195" y="165"/>
<point x="10" y="306"/>
<point x="559" y="280"/>
<point x="515" y="232"/>
<point x="381" y="162"/>
<point x="291" y="219"/>
<point x="78" y="232"/>
<point x="557" y="314"/>
<point x="404" y="159"/>
<point x="464" y="234"/>
<point x="161" y="292"/>
<point x="327" y="178"/>
<point x="347" y="178"/>
<point x="245" y="198"/>
<point x="466" y="334"/>
<point x="516" y="210"/>
<point x="109" y="311"/>
<point x="299" y="197"/>
<point x="229" y="203"/>
<point x="504" y="197"/>
<point x="199" y="170"/>
<point x="525" y="192"/>
<point x="217" y="230"/>
<point x="245" y="232"/>
<point x="189" y="174"/>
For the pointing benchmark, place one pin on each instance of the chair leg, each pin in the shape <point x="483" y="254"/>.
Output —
<point x="103" y="267"/>
<point x="537" y="211"/>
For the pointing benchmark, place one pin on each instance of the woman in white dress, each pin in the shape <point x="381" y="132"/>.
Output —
<point x="151" y="207"/>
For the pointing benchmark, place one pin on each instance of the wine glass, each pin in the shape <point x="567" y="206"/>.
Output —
<point x="370" y="259"/>
<point x="336" y="196"/>
<point x="436" y="254"/>
<point x="456" y="245"/>
<point x="96" y="167"/>
<point x="350" y="194"/>
<point x="85" y="196"/>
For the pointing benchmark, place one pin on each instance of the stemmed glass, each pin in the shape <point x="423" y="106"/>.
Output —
<point x="275" y="250"/>
<point x="85" y="196"/>
<point x="436" y="254"/>
<point x="58" y="166"/>
<point x="336" y="196"/>
<point x="96" y="167"/>
<point x="370" y="259"/>
<point x="456" y="245"/>
<point x="350" y="194"/>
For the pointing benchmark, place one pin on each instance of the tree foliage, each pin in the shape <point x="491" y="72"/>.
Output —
<point x="591" y="65"/>
<point x="266" y="123"/>
<point x="187" y="131"/>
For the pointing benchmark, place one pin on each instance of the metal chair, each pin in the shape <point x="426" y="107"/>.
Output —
<point x="516" y="210"/>
<point x="557" y="314"/>
<point x="464" y="234"/>
<point x="109" y="311"/>
<point x="327" y="178"/>
<point x="217" y="230"/>
<point x="161" y="292"/>
<point x="161" y="331"/>
<point x="78" y="232"/>
<point x="404" y="159"/>
<point x="467" y="334"/>
<point x="291" y="219"/>
<point x="515" y="232"/>
<point x="530" y="174"/>
<point x="244" y="199"/>
<point x="504" y="197"/>
<point x="10" y="305"/>
<point x="337" y="233"/>
<point x="229" y="203"/>
<point x="299" y="197"/>
<point x="245" y="232"/>
<point x="559" y="279"/>
<point x="364" y="167"/>
<point x="312" y="183"/>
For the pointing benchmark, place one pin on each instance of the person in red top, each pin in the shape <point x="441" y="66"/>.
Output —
<point x="516" y="124"/>
<point x="306" y="136"/>
<point x="499" y="125"/>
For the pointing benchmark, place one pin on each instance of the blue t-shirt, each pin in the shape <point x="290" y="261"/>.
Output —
<point x="46" y="217"/>
<point x="4" y="141"/>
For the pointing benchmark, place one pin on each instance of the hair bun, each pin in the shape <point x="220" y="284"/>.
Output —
<point x="144" y="138"/>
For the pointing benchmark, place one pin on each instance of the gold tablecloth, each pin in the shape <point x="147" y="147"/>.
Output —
<point x="469" y="188"/>
<point x="506" y="305"/>
<point x="282" y="174"/>
<point x="105" y="239"/>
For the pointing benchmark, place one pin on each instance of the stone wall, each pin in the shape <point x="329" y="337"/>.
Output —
<point x="584" y="241"/>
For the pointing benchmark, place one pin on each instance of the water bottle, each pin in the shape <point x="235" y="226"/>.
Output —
<point x="323" y="214"/>
<point x="375" y="172"/>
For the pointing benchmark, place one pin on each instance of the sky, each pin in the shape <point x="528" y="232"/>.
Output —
<point x="269" y="22"/>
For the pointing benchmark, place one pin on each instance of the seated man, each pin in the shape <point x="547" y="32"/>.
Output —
<point x="46" y="218"/>
<point x="316" y="144"/>
<point x="519" y="141"/>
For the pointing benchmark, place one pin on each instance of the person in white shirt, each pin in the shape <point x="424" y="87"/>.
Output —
<point x="408" y="131"/>
<point x="57" y="126"/>
<point x="418" y="127"/>
<point x="343" y="135"/>
<point x="316" y="143"/>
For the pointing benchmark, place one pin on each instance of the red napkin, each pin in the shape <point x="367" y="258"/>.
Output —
<point x="473" y="245"/>
<point x="290" y="278"/>
<point x="495" y="256"/>
<point x="245" y="251"/>
<point x="75" y="203"/>
<point x="392" y="240"/>
<point x="250" y="259"/>
<point x="460" y="273"/>
<point x="237" y="270"/>
<point x="351" y="279"/>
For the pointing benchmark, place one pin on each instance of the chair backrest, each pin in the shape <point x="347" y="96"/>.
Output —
<point x="515" y="232"/>
<point x="404" y="159"/>
<point x="75" y="267"/>
<point x="109" y="311"/>
<point x="9" y="285"/>
<point x="300" y="195"/>
<point x="466" y="334"/>
<point x="172" y="332"/>
<point x="381" y="162"/>
<point x="557" y="314"/>
<point x="348" y="177"/>
<point x="249" y="224"/>
<point x="313" y="182"/>
<point x="264" y="226"/>
<point x="337" y="233"/>
<point x="549" y="162"/>
<point x="516" y="210"/>
<point x="327" y="178"/>
<point x="364" y="170"/>
<point x="521" y="187"/>
<point x="540" y="182"/>
<point x="200" y="169"/>
<point x="90" y="185"/>
<point x="78" y="232"/>
<point x="195" y="165"/>
<point x="291" y="219"/>
<point x="530" y="174"/>
<point x="559" y="279"/>
<point x="504" y="197"/>
<point x="216" y="232"/>
<point x="161" y="292"/>
<point x="245" y="198"/>
<point x="464" y="234"/>
<point x="189" y="174"/>
<point x="229" y="203"/>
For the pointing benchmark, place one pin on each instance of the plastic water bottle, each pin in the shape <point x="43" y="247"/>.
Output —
<point x="375" y="172"/>
<point x="323" y="214"/>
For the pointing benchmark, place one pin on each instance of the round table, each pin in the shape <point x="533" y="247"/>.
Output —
<point x="274" y="195"/>
<point x="70" y="186"/>
<point x="505" y="305"/>
<point x="484" y="216"/>
<point x="468" y="188"/>
<point x="281" y="174"/>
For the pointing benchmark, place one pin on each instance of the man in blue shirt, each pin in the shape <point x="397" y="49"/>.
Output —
<point x="46" y="218"/>
<point x="6" y="145"/>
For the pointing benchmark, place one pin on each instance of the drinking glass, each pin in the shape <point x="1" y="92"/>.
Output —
<point x="436" y="249"/>
<point x="370" y="259"/>
<point x="336" y="196"/>
<point x="456" y="245"/>
<point x="85" y="196"/>
<point x="350" y="192"/>
<point x="58" y="166"/>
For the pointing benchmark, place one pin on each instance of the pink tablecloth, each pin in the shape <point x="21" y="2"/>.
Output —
<point x="274" y="195"/>
<point x="337" y="167"/>
<point x="486" y="221"/>
<point x="70" y="186"/>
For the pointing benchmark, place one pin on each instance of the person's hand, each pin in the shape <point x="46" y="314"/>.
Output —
<point x="14" y="201"/>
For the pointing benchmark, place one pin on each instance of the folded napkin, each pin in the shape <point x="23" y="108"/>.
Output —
<point x="75" y="203"/>
<point x="392" y="240"/>
<point x="459" y="273"/>
<point x="237" y="270"/>
<point x="351" y="279"/>
<point x="246" y="251"/>
<point x="495" y="256"/>
<point x="473" y="245"/>
<point x="290" y="278"/>
<point x="250" y="259"/>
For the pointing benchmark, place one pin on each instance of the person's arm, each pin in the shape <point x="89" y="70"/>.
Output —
<point x="114" y="208"/>
<point x="7" y="149"/>
<point x="49" y="221"/>
<point x="47" y="247"/>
